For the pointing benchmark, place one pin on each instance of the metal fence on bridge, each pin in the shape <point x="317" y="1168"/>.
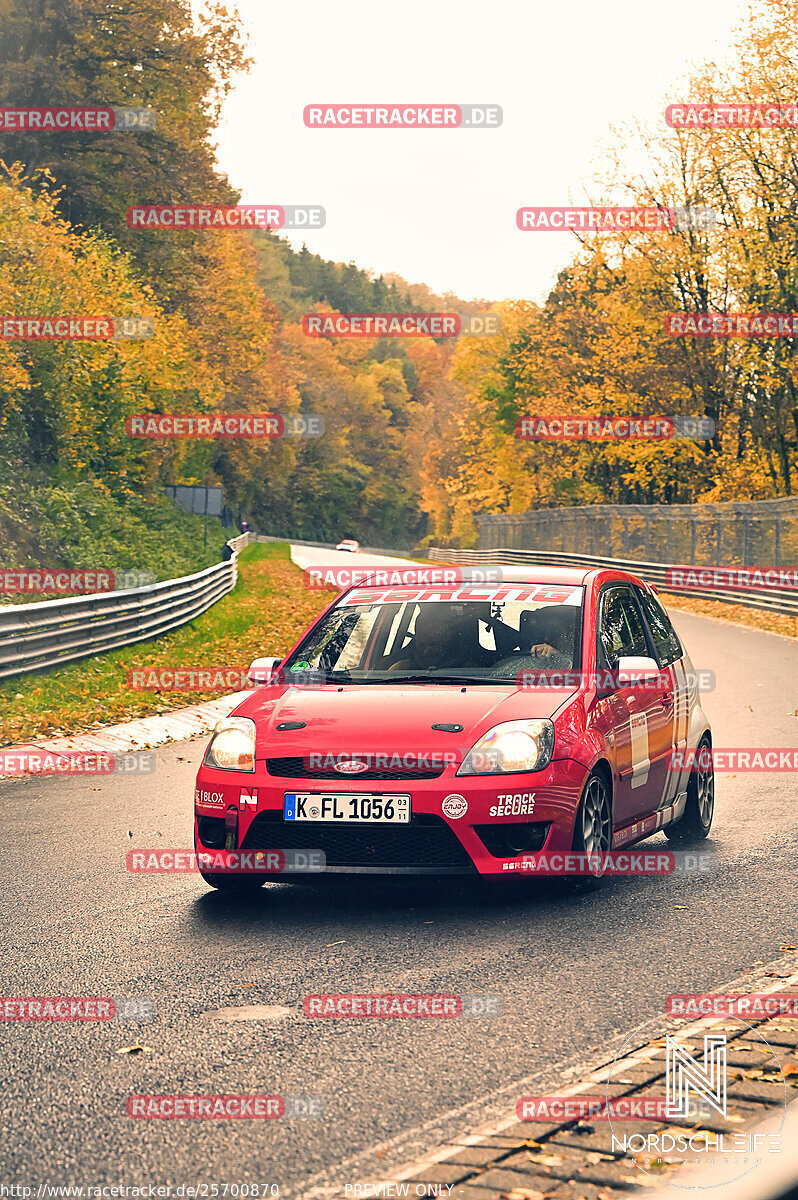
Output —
<point x="729" y="534"/>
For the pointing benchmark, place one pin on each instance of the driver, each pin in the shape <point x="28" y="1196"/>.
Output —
<point x="444" y="636"/>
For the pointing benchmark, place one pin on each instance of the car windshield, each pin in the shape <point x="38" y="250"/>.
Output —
<point x="480" y="634"/>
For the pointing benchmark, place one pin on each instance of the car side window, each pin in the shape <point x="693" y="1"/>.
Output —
<point x="621" y="631"/>
<point x="666" y="640"/>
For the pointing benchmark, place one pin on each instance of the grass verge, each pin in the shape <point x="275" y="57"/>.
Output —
<point x="266" y="612"/>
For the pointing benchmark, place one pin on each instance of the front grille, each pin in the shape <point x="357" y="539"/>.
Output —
<point x="298" y="768"/>
<point x="425" y="842"/>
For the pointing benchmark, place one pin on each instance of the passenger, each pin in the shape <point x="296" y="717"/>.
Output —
<point x="550" y="635"/>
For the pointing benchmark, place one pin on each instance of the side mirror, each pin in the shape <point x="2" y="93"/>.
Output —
<point x="262" y="669"/>
<point x="635" y="671"/>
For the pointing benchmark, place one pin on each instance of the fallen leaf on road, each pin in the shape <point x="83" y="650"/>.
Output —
<point x="135" y="1050"/>
<point x="786" y="947"/>
<point x="681" y="906"/>
<point x="252" y="1012"/>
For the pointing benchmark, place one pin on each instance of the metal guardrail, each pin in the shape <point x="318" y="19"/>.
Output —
<point x="775" y="600"/>
<point x="52" y="632"/>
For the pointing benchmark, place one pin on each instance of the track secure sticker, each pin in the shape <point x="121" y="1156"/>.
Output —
<point x="455" y="806"/>
<point x="517" y="804"/>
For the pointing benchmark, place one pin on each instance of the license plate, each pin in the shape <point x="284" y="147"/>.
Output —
<point x="320" y="806"/>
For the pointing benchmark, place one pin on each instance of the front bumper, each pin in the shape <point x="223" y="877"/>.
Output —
<point x="535" y="810"/>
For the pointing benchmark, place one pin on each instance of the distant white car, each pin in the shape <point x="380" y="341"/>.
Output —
<point x="349" y="544"/>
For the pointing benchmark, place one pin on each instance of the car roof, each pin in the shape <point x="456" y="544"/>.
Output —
<point x="576" y="576"/>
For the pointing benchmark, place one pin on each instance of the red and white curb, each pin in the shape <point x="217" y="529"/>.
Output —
<point x="144" y="734"/>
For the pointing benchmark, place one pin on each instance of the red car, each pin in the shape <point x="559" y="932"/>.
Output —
<point x="464" y="728"/>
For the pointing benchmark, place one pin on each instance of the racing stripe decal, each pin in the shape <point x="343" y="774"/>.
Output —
<point x="641" y="763"/>
<point x="682" y="727"/>
<point x="666" y="794"/>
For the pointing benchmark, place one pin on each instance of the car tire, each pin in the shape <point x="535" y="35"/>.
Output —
<point x="592" y="828"/>
<point x="233" y="883"/>
<point x="696" y="821"/>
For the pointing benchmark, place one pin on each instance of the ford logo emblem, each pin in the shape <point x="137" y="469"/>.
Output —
<point x="352" y="767"/>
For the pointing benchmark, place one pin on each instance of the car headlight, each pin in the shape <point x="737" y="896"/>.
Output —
<point x="510" y="747"/>
<point x="232" y="746"/>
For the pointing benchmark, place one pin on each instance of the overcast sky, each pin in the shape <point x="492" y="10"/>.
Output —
<point x="438" y="206"/>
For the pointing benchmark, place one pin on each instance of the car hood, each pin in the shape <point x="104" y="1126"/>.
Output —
<point x="373" y="717"/>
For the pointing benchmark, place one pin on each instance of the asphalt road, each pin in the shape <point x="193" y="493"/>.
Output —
<point x="574" y="972"/>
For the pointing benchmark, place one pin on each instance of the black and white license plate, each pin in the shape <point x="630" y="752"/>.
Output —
<point x="331" y="806"/>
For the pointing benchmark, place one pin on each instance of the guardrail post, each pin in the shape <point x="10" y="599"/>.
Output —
<point x="745" y="541"/>
<point x="777" y="543"/>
